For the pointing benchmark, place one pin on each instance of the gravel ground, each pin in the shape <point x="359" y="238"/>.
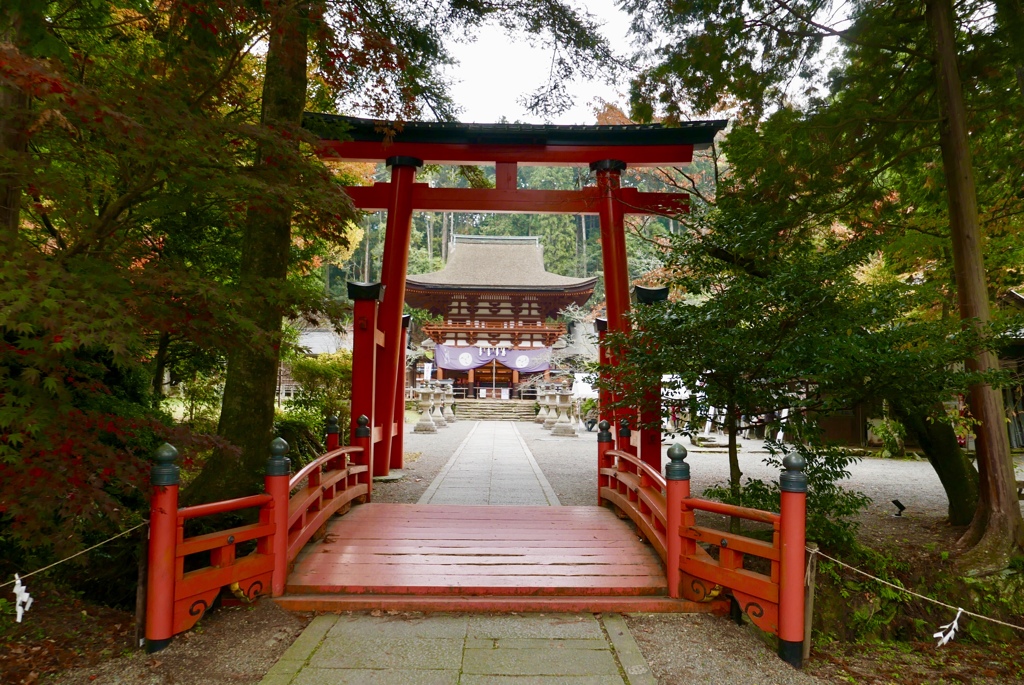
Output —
<point x="229" y="645"/>
<point x="425" y="456"/>
<point x="696" y="649"/>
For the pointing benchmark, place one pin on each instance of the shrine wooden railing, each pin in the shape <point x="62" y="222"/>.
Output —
<point x="292" y="509"/>
<point x="771" y="595"/>
<point x="487" y="332"/>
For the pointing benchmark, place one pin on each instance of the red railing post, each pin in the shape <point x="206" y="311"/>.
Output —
<point x="605" y="443"/>
<point x="677" y="489"/>
<point x="163" y="527"/>
<point x="362" y="437"/>
<point x="279" y="471"/>
<point x="792" y="531"/>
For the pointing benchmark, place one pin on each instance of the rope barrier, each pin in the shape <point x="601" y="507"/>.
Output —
<point x="959" y="611"/>
<point x="76" y="554"/>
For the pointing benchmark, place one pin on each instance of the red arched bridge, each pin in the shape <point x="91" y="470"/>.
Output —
<point x="436" y="557"/>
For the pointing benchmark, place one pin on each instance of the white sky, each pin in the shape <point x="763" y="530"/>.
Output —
<point x="493" y="73"/>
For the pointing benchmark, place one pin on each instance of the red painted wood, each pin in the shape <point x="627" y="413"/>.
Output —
<point x="396" y="549"/>
<point x="394" y="264"/>
<point x="793" y="506"/>
<point x="570" y="604"/>
<point x="560" y="155"/>
<point x="223" y="507"/>
<point x="364" y="370"/>
<point x="587" y="200"/>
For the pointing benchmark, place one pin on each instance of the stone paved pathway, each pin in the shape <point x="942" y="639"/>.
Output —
<point x="494" y="466"/>
<point x="463" y="649"/>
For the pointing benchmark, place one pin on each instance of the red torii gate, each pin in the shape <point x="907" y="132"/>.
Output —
<point x="294" y="507"/>
<point x="378" y="386"/>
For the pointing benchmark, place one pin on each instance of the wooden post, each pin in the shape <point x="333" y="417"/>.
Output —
<point x="605" y="443"/>
<point x="650" y="410"/>
<point x="140" y="590"/>
<point x="812" y="579"/>
<point x="366" y="298"/>
<point x="398" y="422"/>
<point x="792" y="531"/>
<point x="613" y="253"/>
<point x="163" y="534"/>
<point x="393" y="269"/>
<point x="275" y="484"/>
<point x="604" y="398"/>
<point x="677" y="478"/>
<point x="362" y="436"/>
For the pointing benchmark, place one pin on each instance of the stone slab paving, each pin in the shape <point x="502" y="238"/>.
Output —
<point x="492" y="466"/>
<point x="463" y="649"/>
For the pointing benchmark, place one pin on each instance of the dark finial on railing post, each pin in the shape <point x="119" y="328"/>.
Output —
<point x="793" y="479"/>
<point x="605" y="443"/>
<point x="677" y="468"/>
<point x="276" y="484"/>
<point x="793" y="535"/>
<point x="362" y="426"/>
<point x="362" y="437"/>
<point x="624" y="428"/>
<point x="165" y="471"/>
<point x="163" y="536"/>
<point x="278" y="464"/>
<point x="333" y="432"/>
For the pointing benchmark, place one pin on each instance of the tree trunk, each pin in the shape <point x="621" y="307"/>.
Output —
<point x="161" y="366"/>
<point x="430" y="240"/>
<point x="247" y="412"/>
<point x="366" y="256"/>
<point x="444" y="237"/>
<point x="581" y="241"/>
<point x="997" y="531"/>
<point x="938" y="441"/>
<point x="14" y="110"/>
<point x="732" y="428"/>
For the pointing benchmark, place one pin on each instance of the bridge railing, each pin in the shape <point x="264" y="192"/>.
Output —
<point x="290" y="511"/>
<point x="703" y="562"/>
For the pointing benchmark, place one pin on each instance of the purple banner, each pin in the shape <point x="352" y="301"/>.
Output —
<point x="458" y="358"/>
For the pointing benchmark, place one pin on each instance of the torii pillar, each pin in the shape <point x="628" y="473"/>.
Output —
<point x="395" y="264"/>
<point x="613" y="254"/>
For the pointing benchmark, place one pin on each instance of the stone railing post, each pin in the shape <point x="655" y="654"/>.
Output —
<point x="163" y="525"/>
<point x="275" y="483"/>
<point x="793" y="532"/>
<point x="677" y="477"/>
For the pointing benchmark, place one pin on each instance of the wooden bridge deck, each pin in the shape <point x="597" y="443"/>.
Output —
<point x="448" y="557"/>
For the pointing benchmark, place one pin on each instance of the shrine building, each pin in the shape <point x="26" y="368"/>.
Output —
<point x="499" y="306"/>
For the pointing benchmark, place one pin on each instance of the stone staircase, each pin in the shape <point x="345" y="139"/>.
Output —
<point x="495" y="410"/>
